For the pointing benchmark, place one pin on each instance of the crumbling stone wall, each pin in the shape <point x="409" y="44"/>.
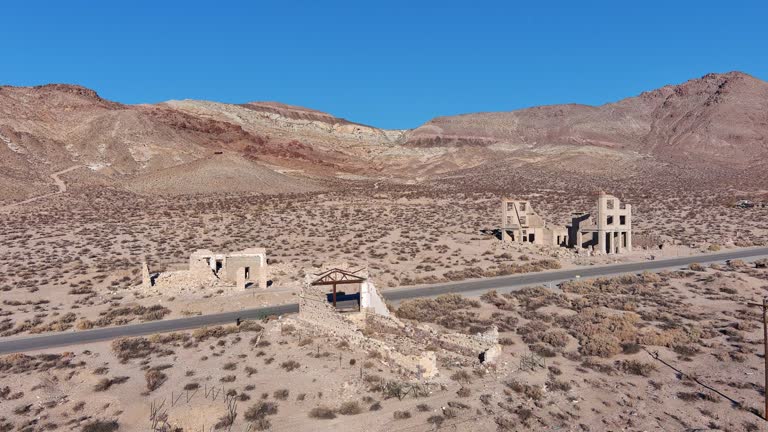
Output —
<point x="315" y="310"/>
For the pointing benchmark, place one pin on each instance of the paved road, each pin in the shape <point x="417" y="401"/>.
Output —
<point x="503" y="283"/>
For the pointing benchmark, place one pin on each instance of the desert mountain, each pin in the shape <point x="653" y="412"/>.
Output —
<point x="714" y="125"/>
<point x="719" y="119"/>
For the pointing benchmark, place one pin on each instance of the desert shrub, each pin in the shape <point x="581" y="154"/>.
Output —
<point x="423" y="407"/>
<point x="696" y="267"/>
<point x="556" y="338"/>
<point x="154" y="313"/>
<point x="105" y="383"/>
<point x="464" y="392"/>
<point x="605" y="368"/>
<point x="400" y="390"/>
<point x="154" y="378"/>
<point x="376" y="406"/>
<point x="542" y="350"/>
<point x="191" y="386"/>
<point x="505" y="423"/>
<point x="630" y="348"/>
<point x="436" y="420"/>
<point x="532" y="392"/>
<point x="600" y="345"/>
<point x="350" y="408"/>
<point x="84" y="324"/>
<point x="322" y="412"/>
<point x="506" y="341"/>
<point x="680" y="335"/>
<point x="260" y="410"/>
<point x="262" y="424"/>
<point x="557" y="385"/>
<point x="601" y="332"/>
<point x="686" y="350"/>
<point x="281" y="394"/>
<point x="290" y="365"/>
<point x="141" y="347"/>
<point x="461" y="376"/>
<point x="216" y="332"/>
<point x="687" y="396"/>
<point x="250" y="326"/>
<point x="101" y="426"/>
<point x="636" y="367"/>
<point x="431" y="310"/>
<point x="401" y="415"/>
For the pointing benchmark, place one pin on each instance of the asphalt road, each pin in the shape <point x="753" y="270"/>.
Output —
<point x="503" y="283"/>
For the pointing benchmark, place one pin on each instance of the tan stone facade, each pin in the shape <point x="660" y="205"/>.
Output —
<point x="521" y="224"/>
<point x="243" y="269"/>
<point x="609" y="232"/>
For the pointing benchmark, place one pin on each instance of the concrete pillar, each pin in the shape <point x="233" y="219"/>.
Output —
<point x="146" y="279"/>
<point x="262" y="272"/>
<point x="240" y="279"/>
<point x="629" y="241"/>
<point x="262" y="280"/>
<point x="579" y="240"/>
<point x="601" y="241"/>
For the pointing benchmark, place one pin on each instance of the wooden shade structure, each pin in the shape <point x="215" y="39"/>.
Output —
<point x="336" y="277"/>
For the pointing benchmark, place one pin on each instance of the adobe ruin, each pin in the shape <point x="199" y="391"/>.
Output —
<point x="521" y="224"/>
<point x="358" y="307"/>
<point x="244" y="269"/>
<point x="610" y="232"/>
<point x="234" y="270"/>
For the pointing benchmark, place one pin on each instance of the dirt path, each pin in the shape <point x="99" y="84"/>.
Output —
<point x="56" y="180"/>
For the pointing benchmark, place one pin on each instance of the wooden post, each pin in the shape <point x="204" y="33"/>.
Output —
<point x="765" y="354"/>
<point x="334" y="295"/>
<point x="764" y="305"/>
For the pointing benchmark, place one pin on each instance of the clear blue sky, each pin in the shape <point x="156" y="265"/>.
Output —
<point x="393" y="64"/>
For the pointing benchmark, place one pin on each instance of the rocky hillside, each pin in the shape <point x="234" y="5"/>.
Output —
<point x="719" y="119"/>
<point x="717" y="125"/>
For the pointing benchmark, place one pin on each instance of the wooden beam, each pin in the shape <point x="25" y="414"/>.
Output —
<point x="334" y="295"/>
<point x="334" y="282"/>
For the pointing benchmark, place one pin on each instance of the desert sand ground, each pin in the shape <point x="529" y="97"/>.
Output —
<point x="72" y="262"/>
<point x="581" y="357"/>
<point x="76" y="256"/>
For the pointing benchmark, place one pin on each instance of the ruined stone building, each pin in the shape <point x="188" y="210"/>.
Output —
<point x="243" y="269"/>
<point x="609" y="232"/>
<point x="521" y="224"/>
<point x="344" y="290"/>
<point x="342" y="303"/>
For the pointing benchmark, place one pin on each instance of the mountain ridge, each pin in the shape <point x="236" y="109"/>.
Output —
<point x="718" y="122"/>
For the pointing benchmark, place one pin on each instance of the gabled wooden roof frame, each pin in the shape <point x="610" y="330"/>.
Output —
<point x="336" y="276"/>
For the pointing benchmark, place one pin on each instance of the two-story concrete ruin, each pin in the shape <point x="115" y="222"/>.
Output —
<point x="609" y="232"/>
<point x="521" y="224"/>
